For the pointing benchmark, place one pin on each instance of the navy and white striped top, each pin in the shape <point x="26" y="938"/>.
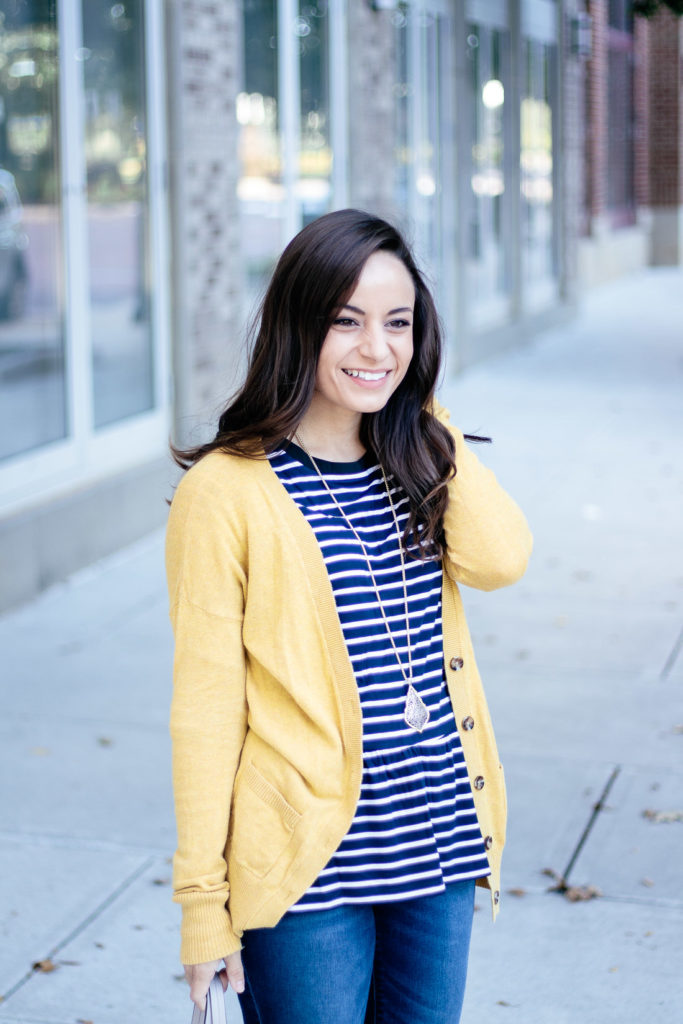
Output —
<point x="415" y="828"/>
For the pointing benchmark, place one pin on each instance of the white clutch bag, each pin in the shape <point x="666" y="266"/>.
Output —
<point x="215" y="1005"/>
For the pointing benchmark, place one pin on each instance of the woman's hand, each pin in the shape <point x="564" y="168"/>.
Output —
<point x="199" y="977"/>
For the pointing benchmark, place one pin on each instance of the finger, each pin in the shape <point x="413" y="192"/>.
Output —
<point x="198" y="990"/>
<point x="223" y="975"/>
<point x="236" y="978"/>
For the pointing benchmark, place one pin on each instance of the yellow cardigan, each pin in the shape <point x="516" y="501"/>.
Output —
<point x="266" y="719"/>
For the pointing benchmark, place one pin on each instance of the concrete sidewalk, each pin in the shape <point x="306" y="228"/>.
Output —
<point x="583" y="666"/>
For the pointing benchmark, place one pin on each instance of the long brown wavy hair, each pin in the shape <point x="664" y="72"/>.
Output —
<point x="314" y="277"/>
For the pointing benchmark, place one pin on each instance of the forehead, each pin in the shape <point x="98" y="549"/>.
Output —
<point x="382" y="273"/>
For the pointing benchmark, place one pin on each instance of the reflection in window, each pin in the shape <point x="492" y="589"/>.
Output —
<point x="32" y="383"/>
<point x="418" y="128"/>
<point x="488" y="275"/>
<point x="260" y="188"/>
<point x="536" y="167"/>
<point x="315" y="162"/>
<point x="118" y="230"/>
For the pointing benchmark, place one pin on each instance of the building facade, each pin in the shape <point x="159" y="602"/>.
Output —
<point x="156" y="156"/>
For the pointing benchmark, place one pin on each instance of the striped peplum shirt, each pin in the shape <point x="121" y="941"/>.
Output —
<point x="415" y="828"/>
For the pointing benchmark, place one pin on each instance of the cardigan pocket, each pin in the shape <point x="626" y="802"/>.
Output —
<point x="262" y="822"/>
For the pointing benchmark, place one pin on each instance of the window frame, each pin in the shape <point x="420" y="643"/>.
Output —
<point x="87" y="455"/>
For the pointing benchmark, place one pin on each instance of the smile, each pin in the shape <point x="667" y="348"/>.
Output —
<point x="367" y="374"/>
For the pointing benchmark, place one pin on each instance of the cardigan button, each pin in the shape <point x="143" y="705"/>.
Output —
<point x="456" y="663"/>
<point x="488" y="842"/>
<point x="468" y="723"/>
<point x="479" y="782"/>
<point x="496" y="897"/>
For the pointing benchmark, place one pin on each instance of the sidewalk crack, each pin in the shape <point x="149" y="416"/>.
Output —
<point x="82" y="925"/>
<point x="673" y="656"/>
<point x="597" y="808"/>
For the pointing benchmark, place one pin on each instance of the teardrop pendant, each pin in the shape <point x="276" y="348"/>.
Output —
<point x="416" y="714"/>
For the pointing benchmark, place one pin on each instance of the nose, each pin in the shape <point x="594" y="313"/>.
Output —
<point x="373" y="341"/>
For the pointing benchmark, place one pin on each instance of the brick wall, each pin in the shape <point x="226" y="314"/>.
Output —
<point x="572" y="154"/>
<point x="641" y="101"/>
<point x="596" y="115"/>
<point x="666" y="111"/>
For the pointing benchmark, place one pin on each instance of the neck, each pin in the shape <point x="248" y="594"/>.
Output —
<point x="335" y="439"/>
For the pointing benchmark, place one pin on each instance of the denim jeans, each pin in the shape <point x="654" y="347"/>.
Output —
<point x="389" y="963"/>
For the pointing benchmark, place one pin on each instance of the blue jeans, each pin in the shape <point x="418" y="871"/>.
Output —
<point x="389" y="963"/>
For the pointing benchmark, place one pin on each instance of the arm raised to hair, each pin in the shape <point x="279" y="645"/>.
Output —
<point x="488" y="541"/>
<point x="205" y="557"/>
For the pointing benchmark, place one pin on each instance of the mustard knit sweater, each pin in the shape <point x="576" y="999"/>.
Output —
<point x="266" y="719"/>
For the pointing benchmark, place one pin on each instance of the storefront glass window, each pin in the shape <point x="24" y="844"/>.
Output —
<point x="425" y="133"/>
<point x="260" y="188"/>
<point x="118" y="230"/>
<point x="536" y="167"/>
<point x="32" y="349"/>
<point x="488" y="271"/>
<point x="315" y="163"/>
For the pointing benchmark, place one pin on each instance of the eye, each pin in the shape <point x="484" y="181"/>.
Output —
<point x="399" y="324"/>
<point x="344" y="321"/>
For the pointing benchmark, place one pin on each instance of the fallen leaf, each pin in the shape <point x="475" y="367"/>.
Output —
<point x="647" y="882"/>
<point x="579" y="893"/>
<point x="613" y="970"/>
<point x="100" y="945"/>
<point x="104" y="741"/>
<point x="45" y="966"/>
<point x="678" y="730"/>
<point x="648" y="935"/>
<point x="41" y="751"/>
<point x="517" y="892"/>
<point x="82" y="1021"/>
<point x="502" y="1002"/>
<point x="663" y="817"/>
<point x="161" y="881"/>
<point x="574" y="893"/>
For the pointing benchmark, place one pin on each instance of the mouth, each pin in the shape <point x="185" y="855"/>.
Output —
<point x="372" y="375"/>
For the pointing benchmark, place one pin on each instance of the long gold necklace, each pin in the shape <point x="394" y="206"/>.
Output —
<point x="415" y="713"/>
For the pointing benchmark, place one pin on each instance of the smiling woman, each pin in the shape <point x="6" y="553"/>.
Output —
<point x="327" y="825"/>
<point x="364" y="357"/>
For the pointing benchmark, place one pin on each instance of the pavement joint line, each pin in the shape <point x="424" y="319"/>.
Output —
<point x="33" y="1020"/>
<point x="673" y="656"/>
<point x="61" y="839"/>
<point x="597" y="808"/>
<point x="102" y="721"/>
<point x="88" y="920"/>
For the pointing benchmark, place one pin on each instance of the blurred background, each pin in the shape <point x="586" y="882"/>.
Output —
<point x="155" y="157"/>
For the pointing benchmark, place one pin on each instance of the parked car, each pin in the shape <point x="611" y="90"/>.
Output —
<point x="13" y="245"/>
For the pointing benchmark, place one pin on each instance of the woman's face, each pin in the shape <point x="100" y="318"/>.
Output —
<point x="368" y="348"/>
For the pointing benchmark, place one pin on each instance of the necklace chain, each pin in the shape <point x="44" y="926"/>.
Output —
<point x="416" y="714"/>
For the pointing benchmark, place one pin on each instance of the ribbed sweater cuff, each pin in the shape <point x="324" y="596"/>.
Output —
<point x="206" y="931"/>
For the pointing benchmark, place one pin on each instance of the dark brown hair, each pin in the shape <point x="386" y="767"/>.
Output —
<point x="314" y="276"/>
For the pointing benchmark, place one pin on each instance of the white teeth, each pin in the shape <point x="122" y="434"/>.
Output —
<point x="366" y="375"/>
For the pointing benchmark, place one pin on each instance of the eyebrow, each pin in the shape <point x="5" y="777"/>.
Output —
<point x="400" y="309"/>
